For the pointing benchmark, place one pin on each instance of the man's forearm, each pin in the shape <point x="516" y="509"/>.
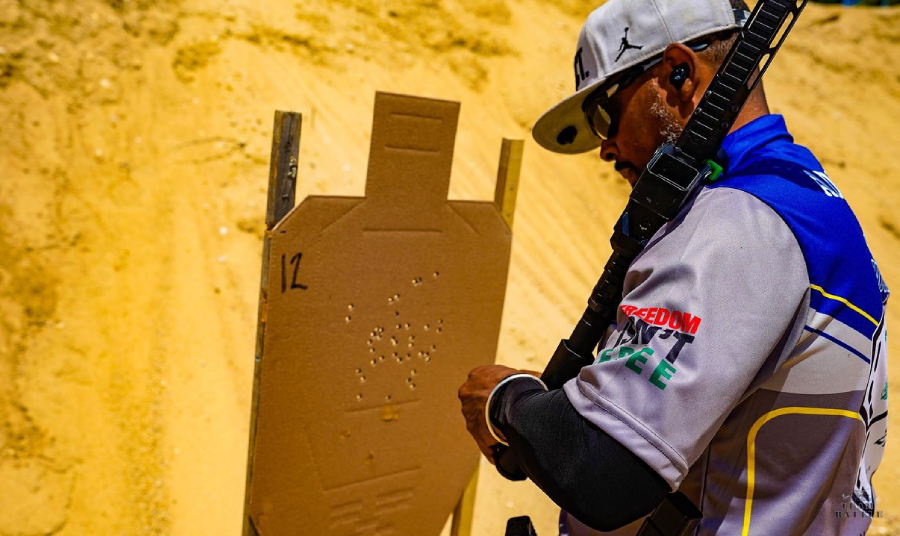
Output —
<point x="581" y="468"/>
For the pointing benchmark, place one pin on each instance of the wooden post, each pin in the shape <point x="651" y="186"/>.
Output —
<point x="505" y="199"/>
<point x="282" y="188"/>
<point x="508" y="178"/>
<point x="464" y="512"/>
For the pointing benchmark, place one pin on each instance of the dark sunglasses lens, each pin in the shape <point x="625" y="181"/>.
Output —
<point x="597" y="118"/>
<point x="600" y="121"/>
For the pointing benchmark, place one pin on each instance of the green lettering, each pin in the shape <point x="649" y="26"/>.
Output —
<point x="638" y="357"/>
<point x="625" y="351"/>
<point x="663" y="370"/>
<point x="605" y="355"/>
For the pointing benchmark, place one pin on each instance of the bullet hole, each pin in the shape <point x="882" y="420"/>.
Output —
<point x="359" y="397"/>
<point x="388" y="398"/>
<point x="359" y="371"/>
<point x="381" y="358"/>
<point x="394" y="341"/>
<point x="412" y="372"/>
<point x="362" y="379"/>
<point x="406" y="326"/>
<point x="435" y="275"/>
<point x="412" y="387"/>
<point x="369" y="342"/>
<point x="347" y="319"/>
<point x="371" y="350"/>
<point x="399" y="326"/>
<point x="440" y="329"/>
<point x="396" y="313"/>
<point x="373" y="362"/>
<point x="350" y="307"/>
<point x="427" y="327"/>
<point x="433" y="347"/>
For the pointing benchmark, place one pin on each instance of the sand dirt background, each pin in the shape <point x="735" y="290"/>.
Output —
<point x="134" y="144"/>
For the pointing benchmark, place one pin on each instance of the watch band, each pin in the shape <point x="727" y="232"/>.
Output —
<point x="487" y="406"/>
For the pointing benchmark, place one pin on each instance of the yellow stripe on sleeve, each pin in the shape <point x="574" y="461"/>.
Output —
<point x="845" y="302"/>
<point x="751" y="446"/>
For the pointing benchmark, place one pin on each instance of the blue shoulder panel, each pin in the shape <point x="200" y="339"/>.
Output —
<point x="845" y="282"/>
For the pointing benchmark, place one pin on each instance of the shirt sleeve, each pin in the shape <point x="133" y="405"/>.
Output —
<point x="594" y="478"/>
<point x="705" y="305"/>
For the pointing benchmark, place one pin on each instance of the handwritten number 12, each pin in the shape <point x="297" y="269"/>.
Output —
<point x="295" y="260"/>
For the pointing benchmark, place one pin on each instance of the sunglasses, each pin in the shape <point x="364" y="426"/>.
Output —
<point x="596" y="105"/>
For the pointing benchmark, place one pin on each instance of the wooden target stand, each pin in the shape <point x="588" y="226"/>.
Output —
<point x="283" y="176"/>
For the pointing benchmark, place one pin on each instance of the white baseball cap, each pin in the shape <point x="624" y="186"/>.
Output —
<point x="616" y="36"/>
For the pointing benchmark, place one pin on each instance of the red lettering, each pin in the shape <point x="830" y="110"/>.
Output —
<point x="675" y="321"/>
<point x="662" y="317"/>
<point x="690" y="323"/>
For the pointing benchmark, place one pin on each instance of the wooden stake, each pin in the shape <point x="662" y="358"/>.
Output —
<point x="505" y="200"/>
<point x="508" y="178"/>
<point x="282" y="188"/>
<point x="283" y="166"/>
<point x="464" y="512"/>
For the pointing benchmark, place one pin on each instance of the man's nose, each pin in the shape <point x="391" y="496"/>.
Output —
<point x="609" y="151"/>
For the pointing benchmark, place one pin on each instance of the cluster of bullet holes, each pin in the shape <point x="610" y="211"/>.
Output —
<point x="400" y="332"/>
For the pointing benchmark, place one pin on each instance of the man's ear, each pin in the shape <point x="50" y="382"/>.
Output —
<point x="680" y="77"/>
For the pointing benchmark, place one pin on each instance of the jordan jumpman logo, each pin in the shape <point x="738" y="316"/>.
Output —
<point x="625" y="45"/>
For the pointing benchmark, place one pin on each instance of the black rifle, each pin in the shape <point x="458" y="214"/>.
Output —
<point x="674" y="173"/>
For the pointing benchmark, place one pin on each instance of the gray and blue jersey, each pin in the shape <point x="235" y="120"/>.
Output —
<point x="748" y="365"/>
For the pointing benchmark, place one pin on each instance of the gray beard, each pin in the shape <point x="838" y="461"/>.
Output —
<point x="671" y="130"/>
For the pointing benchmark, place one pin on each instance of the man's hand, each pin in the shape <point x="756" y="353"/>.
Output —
<point x="473" y="396"/>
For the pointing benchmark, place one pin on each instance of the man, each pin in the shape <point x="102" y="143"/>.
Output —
<point x="747" y="368"/>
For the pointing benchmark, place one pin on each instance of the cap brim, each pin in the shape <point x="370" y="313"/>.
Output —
<point x="554" y="130"/>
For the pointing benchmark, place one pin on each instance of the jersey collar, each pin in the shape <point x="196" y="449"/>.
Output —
<point x="743" y="142"/>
